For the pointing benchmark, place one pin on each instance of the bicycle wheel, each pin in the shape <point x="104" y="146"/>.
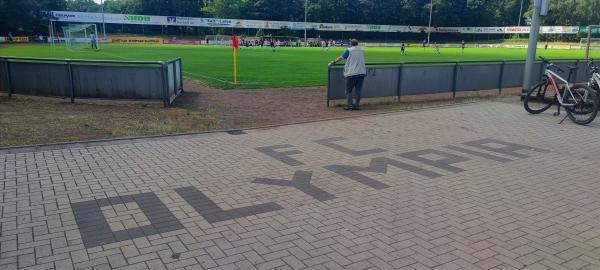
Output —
<point x="585" y="104"/>
<point x="539" y="98"/>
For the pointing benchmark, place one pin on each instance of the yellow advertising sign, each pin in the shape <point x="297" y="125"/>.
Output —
<point x="135" y="40"/>
<point x="15" y="39"/>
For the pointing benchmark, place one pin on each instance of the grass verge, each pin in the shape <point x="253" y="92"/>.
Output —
<point x="25" y="121"/>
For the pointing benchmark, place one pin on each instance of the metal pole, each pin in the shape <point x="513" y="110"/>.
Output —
<point x="520" y="15"/>
<point x="429" y="28"/>
<point x="103" y="23"/>
<point x="8" y="79"/>
<point x="589" y="42"/>
<point x="52" y="33"/>
<point x="305" y="21"/>
<point x="532" y="45"/>
<point x="72" y="83"/>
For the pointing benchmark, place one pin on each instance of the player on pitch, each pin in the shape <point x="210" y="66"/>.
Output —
<point x="354" y="72"/>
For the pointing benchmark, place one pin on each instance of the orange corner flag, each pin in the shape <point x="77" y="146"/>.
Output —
<point x="235" y="44"/>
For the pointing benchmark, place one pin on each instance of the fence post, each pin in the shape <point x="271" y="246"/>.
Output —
<point x="501" y="77"/>
<point x="454" y="79"/>
<point x="181" y="74"/>
<point x="175" y="84"/>
<point x="328" y="84"/>
<point x="575" y="71"/>
<point x="399" y="88"/>
<point x="165" y="78"/>
<point x="541" y="73"/>
<point x="71" y="81"/>
<point x="8" y="79"/>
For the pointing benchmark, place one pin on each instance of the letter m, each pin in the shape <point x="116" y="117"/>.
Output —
<point x="377" y="165"/>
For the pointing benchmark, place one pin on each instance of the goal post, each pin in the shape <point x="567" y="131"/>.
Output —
<point x="592" y="29"/>
<point x="218" y="39"/>
<point x="81" y="37"/>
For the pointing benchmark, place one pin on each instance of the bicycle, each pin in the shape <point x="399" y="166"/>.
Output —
<point x="579" y="100"/>
<point x="594" y="82"/>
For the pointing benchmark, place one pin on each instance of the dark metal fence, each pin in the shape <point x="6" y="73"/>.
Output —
<point x="415" y="78"/>
<point x="92" y="78"/>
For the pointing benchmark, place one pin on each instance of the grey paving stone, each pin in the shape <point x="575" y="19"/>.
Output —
<point x="479" y="186"/>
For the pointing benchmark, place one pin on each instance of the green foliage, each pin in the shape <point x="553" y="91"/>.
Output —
<point x="24" y="16"/>
<point x="573" y="12"/>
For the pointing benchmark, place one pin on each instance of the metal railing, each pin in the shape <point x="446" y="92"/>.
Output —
<point x="397" y="79"/>
<point x="105" y="79"/>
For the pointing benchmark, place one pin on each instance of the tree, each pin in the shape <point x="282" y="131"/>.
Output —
<point x="25" y="17"/>
<point x="82" y="6"/>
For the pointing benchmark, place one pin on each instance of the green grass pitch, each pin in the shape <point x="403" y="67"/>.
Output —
<point x="261" y="68"/>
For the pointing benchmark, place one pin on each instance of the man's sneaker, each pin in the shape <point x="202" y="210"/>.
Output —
<point x="349" y="107"/>
<point x="356" y="108"/>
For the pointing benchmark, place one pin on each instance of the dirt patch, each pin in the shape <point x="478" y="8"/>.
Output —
<point x="246" y="108"/>
<point x="39" y="120"/>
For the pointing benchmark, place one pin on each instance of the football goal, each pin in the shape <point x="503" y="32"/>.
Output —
<point x="81" y="37"/>
<point x="592" y="41"/>
<point x="218" y="39"/>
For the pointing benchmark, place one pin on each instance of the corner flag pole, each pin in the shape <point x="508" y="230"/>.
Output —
<point x="235" y="46"/>
<point x="234" y="66"/>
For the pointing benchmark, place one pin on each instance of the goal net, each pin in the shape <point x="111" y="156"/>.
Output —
<point x="592" y="41"/>
<point x="81" y="37"/>
<point x="218" y="39"/>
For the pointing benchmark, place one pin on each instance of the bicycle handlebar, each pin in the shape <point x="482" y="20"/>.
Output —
<point x="593" y="68"/>
<point x="549" y="65"/>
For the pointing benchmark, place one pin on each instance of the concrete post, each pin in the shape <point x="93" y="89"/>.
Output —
<point x="532" y="46"/>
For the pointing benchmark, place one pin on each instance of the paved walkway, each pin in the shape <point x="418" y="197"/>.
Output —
<point x="479" y="186"/>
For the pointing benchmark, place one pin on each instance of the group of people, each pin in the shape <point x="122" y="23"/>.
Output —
<point x="256" y="42"/>
<point x="436" y="47"/>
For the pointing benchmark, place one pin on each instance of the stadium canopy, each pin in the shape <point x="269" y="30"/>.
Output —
<point x="111" y="18"/>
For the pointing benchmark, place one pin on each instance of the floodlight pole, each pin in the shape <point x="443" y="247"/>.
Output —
<point x="589" y="41"/>
<point x="429" y="28"/>
<point x="103" y="23"/>
<point x="305" y="21"/>
<point x="532" y="45"/>
<point x="520" y="15"/>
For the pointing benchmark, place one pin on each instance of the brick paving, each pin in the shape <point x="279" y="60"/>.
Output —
<point x="478" y="186"/>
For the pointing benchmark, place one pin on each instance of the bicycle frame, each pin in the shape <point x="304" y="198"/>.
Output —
<point x="595" y="79"/>
<point x="552" y="76"/>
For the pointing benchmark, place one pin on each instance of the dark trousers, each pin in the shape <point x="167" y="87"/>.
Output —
<point x="354" y="84"/>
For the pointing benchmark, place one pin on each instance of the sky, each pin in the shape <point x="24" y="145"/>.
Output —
<point x="98" y="1"/>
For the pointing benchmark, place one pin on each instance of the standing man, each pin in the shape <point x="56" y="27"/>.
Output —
<point x="424" y="44"/>
<point x="94" y="41"/>
<point x="436" y="47"/>
<point x="462" y="46"/>
<point x="546" y="45"/>
<point x="402" y="49"/>
<point x="354" y="72"/>
<point x="10" y="37"/>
